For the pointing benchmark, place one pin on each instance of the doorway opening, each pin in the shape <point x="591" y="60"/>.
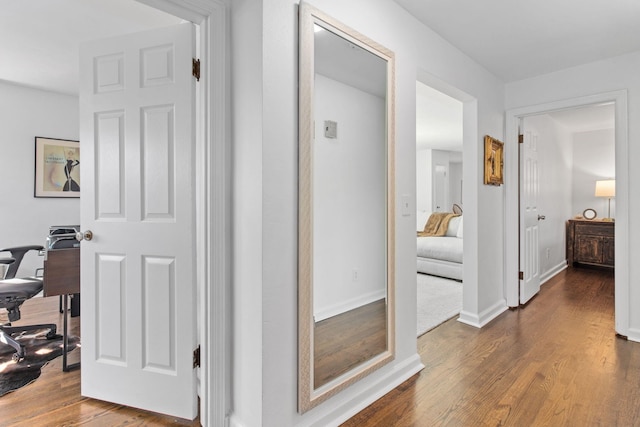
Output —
<point x="563" y="154"/>
<point x="439" y="197"/>
<point x="213" y="154"/>
<point x="514" y="117"/>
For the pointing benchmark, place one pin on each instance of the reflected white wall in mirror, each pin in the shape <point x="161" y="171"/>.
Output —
<point x="346" y="239"/>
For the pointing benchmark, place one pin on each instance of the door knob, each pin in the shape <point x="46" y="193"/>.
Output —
<point x="541" y="217"/>
<point x="87" y="235"/>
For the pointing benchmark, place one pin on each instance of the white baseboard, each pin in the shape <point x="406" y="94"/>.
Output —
<point x="548" y="275"/>
<point x="346" y="407"/>
<point x="344" y="306"/>
<point x="633" y="335"/>
<point x="374" y="391"/>
<point x="479" y="320"/>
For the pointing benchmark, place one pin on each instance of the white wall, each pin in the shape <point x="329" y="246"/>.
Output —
<point x="455" y="182"/>
<point x="24" y="219"/>
<point x="555" y="160"/>
<point x="349" y="210"/>
<point x="249" y="224"/>
<point x="593" y="159"/>
<point x="424" y="180"/>
<point x="603" y="77"/>
<point x="265" y="64"/>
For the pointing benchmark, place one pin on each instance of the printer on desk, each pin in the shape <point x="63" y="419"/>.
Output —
<point x="62" y="237"/>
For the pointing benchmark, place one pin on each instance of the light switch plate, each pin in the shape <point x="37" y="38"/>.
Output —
<point x="405" y="207"/>
<point x="330" y="129"/>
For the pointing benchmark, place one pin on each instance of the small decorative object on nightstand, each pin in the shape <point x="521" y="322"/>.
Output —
<point x="589" y="214"/>
<point x="590" y="242"/>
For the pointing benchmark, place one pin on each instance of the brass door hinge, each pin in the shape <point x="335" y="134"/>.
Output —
<point x="521" y="275"/>
<point x="196" y="358"/>
<point x="520" y="139"/>
<point x="195" y="68"/>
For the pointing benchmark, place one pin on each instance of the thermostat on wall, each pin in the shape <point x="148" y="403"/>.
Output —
<point x="330" y="129"/>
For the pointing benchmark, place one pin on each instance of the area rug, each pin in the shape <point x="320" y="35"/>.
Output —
<point x="39" y="351"/>
<point x="439" y="300"/>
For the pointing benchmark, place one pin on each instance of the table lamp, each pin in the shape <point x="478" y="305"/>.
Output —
<point x="606" y="188"/>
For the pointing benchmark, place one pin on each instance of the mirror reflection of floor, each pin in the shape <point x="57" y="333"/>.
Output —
<point x="346" y="340"/>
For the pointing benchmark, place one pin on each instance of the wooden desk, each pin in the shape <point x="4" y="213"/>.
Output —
<point x="62" y="277"/>
<point x="62" y="272"/>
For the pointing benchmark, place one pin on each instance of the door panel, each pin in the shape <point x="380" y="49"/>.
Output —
<point x="440" y="187"/>
<point x="529" y="219"/>
<point x="137" y="273"/>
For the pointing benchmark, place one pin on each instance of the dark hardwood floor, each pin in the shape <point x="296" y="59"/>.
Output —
<point x="54" y="399"/>
<point x="349" y="339"/>
<point x="555" y="362"/>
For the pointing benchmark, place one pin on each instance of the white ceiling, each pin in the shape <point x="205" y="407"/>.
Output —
<point x="517" y="39"/>
<point x="513" y="39"/>
<point x="586" y="119"/>
<point x="39" y="39"/>
<point x="343" y="61"/>
<point x="438" y="120"/>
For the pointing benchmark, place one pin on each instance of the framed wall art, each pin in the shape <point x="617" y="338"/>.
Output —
<point x="57" y="168"/>
<point x="493" y="161"/>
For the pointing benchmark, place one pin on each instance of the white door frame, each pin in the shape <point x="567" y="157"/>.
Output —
<point x="471" y="175"/>
<point x="213" y="190"/>
<point x="622" y="292"/>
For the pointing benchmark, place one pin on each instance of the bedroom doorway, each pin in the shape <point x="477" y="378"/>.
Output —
<point x="439" y="184"/>
<point x="622" y="292"/>
<point x="574" y="150"/>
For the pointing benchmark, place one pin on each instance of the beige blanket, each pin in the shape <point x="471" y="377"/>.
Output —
<point x="437" y="224"/>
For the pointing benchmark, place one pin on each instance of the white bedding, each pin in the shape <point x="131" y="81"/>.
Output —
<point x="440" y="248"/>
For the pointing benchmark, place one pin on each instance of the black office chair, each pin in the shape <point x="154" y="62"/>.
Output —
<point x="15" y="291"/>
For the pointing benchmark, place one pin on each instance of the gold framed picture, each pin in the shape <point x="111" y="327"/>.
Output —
<point x="493" y="161"/>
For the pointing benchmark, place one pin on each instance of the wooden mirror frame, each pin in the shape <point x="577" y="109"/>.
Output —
<point x="308" y="397"/>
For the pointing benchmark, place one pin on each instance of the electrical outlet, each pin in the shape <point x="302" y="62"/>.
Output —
<point x="548" y="252"/>
<point x="355" y="275"/>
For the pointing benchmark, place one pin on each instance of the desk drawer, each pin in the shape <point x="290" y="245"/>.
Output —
<point x="595" y="229"/>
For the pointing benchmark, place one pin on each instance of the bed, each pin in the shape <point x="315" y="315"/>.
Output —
<point x="441" y="255"/>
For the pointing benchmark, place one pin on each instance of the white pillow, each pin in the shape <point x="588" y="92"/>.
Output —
<point x="460" y="227"/>
<point x="454" y="225"/>
<point x="421" y="219"/>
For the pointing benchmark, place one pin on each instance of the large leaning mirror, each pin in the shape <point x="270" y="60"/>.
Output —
<point x="346" y="207"/>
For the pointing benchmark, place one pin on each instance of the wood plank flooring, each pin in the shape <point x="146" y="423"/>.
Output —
<point x="54" y="399"/>
<point x="555" y="362"/>
<point x="349" y="339"/>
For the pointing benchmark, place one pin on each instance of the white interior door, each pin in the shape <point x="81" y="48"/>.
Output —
<point x="440" y="189"/>
<point x="137" y="272"/>
<point x="529" y="218"/>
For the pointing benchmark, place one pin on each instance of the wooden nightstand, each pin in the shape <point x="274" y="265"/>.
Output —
<point x="591" y="242"/>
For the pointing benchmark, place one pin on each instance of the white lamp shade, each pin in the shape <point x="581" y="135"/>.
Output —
<point x="606" y="188"/>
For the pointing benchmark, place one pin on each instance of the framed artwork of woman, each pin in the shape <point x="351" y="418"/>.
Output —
<point x="57" y="168"/>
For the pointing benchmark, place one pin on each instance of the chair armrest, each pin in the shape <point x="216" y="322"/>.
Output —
<point x="17" y="253"/>
<point x="23" y="249"/>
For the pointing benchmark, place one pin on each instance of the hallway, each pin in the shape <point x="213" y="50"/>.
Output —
<point x="555" y="362"/>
